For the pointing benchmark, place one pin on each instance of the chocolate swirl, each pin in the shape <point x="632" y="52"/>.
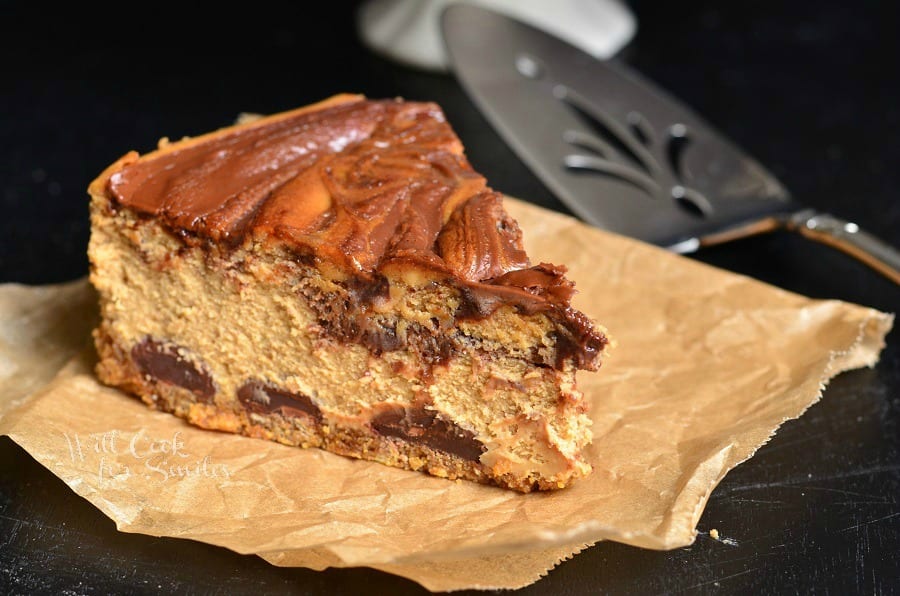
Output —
<point x="481" y="241"/>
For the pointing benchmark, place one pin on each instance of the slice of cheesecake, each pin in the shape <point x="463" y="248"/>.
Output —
<point x="338" y="276"/>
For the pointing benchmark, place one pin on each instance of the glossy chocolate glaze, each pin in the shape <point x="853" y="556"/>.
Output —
<point x="362" y="184"/>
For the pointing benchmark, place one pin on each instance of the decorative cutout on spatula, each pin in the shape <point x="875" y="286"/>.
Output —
<point x="628" y="152"/>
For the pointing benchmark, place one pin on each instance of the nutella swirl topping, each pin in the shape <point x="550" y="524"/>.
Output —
<point x="357" y="182"/>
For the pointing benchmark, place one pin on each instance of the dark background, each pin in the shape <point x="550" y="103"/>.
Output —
<point x="811" y="89"/>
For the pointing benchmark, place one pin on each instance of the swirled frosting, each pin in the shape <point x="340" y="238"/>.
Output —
<point x="355" y="182"/>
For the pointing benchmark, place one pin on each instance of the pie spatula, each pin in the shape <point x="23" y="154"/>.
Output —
<point x="623" y="154"/>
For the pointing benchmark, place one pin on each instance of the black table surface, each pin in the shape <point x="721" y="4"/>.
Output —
<point x="811" y="89"/>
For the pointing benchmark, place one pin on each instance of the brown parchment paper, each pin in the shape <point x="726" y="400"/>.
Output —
<point x="708" y="365"/>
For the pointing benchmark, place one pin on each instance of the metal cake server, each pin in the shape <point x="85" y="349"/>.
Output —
<point x="621" y="153"/>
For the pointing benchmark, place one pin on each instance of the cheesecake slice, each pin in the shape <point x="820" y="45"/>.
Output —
<point x="338" y="276"/>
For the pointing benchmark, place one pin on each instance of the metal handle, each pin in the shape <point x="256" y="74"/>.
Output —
<point x="841" y="234"/>
<point x="849" y="238"/>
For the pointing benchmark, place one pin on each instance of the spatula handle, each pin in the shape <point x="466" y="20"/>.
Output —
<point x="849" y="238"/>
